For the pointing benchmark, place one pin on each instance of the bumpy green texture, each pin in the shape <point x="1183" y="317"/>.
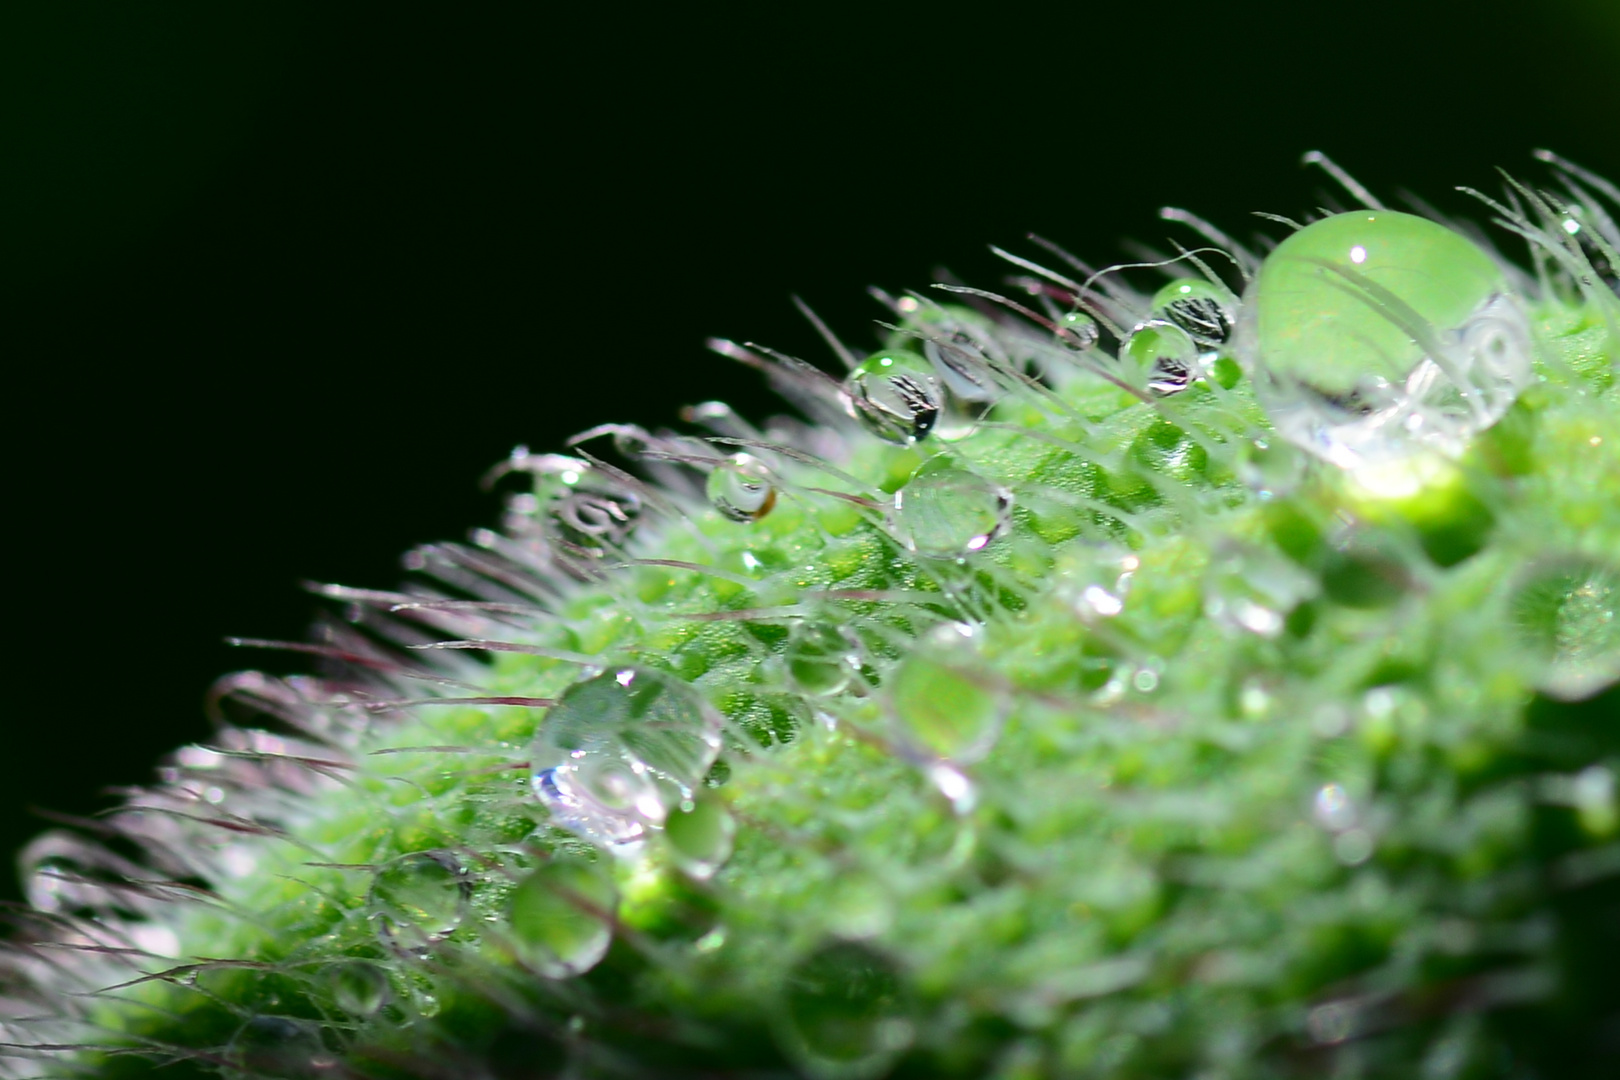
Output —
<point x="1046" y="716"/>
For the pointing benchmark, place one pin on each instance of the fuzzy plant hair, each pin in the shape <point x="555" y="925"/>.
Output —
<point x="1204" y="667"/>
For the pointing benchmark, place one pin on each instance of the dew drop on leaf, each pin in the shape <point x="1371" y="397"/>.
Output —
<point x="944" y="702"/>
<point x="359" y="987"/>
<point x="1377" y="334"/>
<point x="420" y="897"/>
<point x="945" y="512"/>
<point x="561" y="917"/>
<point x="618" y="751"/>
<point x="700" y="834"/>
<point x="846" y="1012"/>
<point x="896" y="396"/>
<point x="740" y="488"/>
<point x="1198" y="308"/>
<point x="1565" y="616"/>
<point x="821" y="658"/>
<point x="1160" y="357"/>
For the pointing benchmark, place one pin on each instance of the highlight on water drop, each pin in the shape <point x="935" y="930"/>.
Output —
<point x="846" y="1012"/>
<point x="560" y="917"/>
<point x="896" y="395"/>
<point x="740" y="488"/>
<point x="1565" y="615"/>
<point x="419" y="898"/>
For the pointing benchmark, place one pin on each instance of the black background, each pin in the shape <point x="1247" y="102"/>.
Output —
<point x="278" y="281"/>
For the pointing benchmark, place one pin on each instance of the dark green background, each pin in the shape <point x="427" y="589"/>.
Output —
<point x="279" y="280"/>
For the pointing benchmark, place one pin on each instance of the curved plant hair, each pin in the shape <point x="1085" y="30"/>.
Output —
<point x="1027" y="706"/>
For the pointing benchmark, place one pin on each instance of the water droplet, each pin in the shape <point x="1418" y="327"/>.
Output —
<point x="961" y="364"/>
<point x="1161" y="357"/>
<point x="1077" y="331"/>
<point x="561" y="917"/>
<point x="945" y="703"/>
<point x="1333" y="809"/>
<point x="1565" y="615"/>
<point x="1272" y="469"/>
<point x="1377" y="334"/>
<point x="895" y="395"/>
<point x="700" y="835"/>
<point x="945" y="512"/>
<point x="821" y="659"/>
<point x="846" y="1012"/>
<point x="740" y="488"/>
<point x="619" y="750"/>
<point x="1254" y="589"/>
<point x="281" y="1047"/>
<point x="420" y="897"/>
<point x="358" y="987"/>
<point x="1200" y="309"/>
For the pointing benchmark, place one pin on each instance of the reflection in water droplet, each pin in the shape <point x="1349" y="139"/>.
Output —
<point x="821" y="658"/>
<point x="1378" y="334"/>
<point x="896" y="396"/>
<point x="619" y="750"/>
<point x="1565" y="614"/>
<point x="961" y="364"/>
<point x="846" y="1013"/>
<point x="740" y="488"/>
<point x="561" y="917"/>
<point x="1200" y="309"/>
<point x="700" y="838"/>
<point x="1160" y="357"/>
<point x="359" y="987"/>
<point x="948" y="513"/>
<point x="420" y="897"/>
<point x="1272" y="469"/>
<point x="942" y="698"/>
<point x="1254" y="589"/>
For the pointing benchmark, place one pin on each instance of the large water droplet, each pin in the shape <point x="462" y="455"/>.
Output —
<point x="962" y="366"/>
<point x="561" y="917"/>
<point x="945" y="512"/>
<point x="821" y="659"/>
<point x="618" y="751"/>
<point x="700" y="833"/>
<point x="740" y="488"/>
<point x="358" y="987"/>
<point x="945" y="704"/>
<point x="846" y="1012"/>
<point x="1161" y="357"/>
<point x="1200" y="309"/>
<point x="419" y="898"/>
<point x="895" y="395"/>
<point x="1378" y="334"/>
<point x="1565" y="614"/>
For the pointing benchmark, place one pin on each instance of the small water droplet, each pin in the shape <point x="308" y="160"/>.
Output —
<point x="1200" y="309"/>
<point x="945" y="512"/>
<point x="1077" y="331"/>
<point x="1565" y="615"/>
<point x="281" y="1047"/>
<point x="619" y="750"/>
<point x="962" y="365"/>
<point x="895" y="395"/>
<point x="700" y="836"/>
<point x="419" y="898"/>
<point x="358" y="987"/>
<point x="1378" y="334"/>
<point x="846" y="1011"/>
<point x="1333" y="808"/>
<point x="740" y="488"/>
<point x="561" y="917"/>
<point x="944" y="701"/>
<point x="1254" y="589"/>
<point x="1161" y="357"/>
<point x="821" y="658"/>
<point x="1270" y="468"/>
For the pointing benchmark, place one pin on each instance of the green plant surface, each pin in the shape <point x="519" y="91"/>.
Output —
<point x="1084" y="685"/>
